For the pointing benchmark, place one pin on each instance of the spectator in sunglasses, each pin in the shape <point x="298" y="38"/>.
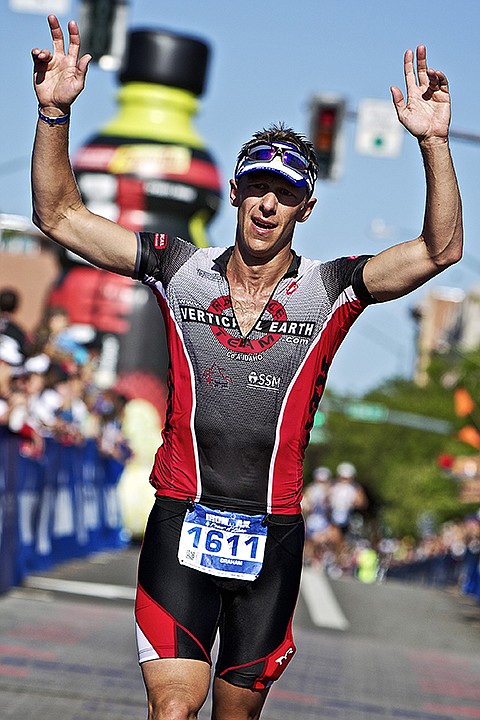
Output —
<point x="252" y="331"/>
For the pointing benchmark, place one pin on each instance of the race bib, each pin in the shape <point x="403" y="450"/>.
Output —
<point x="225" y="544"/>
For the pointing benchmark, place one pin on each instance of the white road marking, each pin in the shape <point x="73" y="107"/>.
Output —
<point x="322" y="605"/>
<point x="76" y="587"/>
<point x="321" y="602"/>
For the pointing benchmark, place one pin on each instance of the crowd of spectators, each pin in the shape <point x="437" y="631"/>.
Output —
<point x="449" y="556"/>
<point x="48" y="389"/>
<point x="341" y="543"/>
<point x="331" y="505"/>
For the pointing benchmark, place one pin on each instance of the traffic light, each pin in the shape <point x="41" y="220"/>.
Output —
<point x="327" y="113"/>
<point x="103" y="29"/>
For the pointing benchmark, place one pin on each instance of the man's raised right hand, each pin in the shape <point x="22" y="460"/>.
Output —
<point x="59" y="78"/>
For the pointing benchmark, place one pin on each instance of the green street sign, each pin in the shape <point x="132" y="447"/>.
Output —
<point x="367" y="412"/>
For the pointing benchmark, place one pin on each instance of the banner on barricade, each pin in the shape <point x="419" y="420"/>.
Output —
<point x="60" y="506"/>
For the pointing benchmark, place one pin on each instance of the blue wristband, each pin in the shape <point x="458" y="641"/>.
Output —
<point x="53" y="120"/>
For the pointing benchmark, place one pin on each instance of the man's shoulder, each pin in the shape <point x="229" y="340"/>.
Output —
<point x="163" y="241"/>
<point x="320" y="265"/>
<point x="162" y="257"/>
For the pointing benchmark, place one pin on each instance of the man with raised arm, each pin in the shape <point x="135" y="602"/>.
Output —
<point x="252" y="330"/>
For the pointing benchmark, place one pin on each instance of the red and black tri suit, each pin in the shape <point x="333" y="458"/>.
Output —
<point x="239" y="414"/>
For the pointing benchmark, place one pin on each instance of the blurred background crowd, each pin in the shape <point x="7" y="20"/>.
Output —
<point x="48" y="389"/>
<point x="340" y="540"/>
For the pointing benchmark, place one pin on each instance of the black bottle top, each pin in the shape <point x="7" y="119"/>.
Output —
<point x="165" y="58"/>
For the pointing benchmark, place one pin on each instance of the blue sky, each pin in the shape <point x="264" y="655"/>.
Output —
<point x="265" y="66"/>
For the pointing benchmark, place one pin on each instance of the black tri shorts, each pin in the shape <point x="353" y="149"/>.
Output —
<point x="179" y="609"/>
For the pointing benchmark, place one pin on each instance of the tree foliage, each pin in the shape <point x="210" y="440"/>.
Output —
<point x="398" y="465"/>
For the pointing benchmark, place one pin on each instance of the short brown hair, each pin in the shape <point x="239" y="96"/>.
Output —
<point x="280" y="133"/>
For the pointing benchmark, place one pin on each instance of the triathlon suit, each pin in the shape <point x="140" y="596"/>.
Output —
<point x="239" y="413"/>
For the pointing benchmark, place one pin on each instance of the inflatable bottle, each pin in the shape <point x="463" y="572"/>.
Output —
<point x="147" y="169"/>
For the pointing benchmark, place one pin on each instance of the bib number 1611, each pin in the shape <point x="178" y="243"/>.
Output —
<point x="216" y="541"/>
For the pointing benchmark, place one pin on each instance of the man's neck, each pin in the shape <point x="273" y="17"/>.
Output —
<point x="257" y="275"/>
<point x="252" y="284"/>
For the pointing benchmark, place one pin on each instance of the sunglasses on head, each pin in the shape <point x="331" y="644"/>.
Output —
<point x="290" y="158"/>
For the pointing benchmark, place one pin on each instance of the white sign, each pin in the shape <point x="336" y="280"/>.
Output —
<point x="379" y="132"/>
<point x="40" y="7"/>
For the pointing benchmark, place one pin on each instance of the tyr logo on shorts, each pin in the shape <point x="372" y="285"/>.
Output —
<point x="276" y="662"/>
<point x="160" y="241"/>
<point x="280" y="660"/>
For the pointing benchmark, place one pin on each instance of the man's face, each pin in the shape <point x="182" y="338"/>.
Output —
<point x="268" y="208"/>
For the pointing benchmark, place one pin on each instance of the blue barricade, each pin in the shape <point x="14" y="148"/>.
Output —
<point x="471" y="578"/>
<point x="443" y="571"/>
<point x="8" y="514"/>
<point x="63" y="505"/>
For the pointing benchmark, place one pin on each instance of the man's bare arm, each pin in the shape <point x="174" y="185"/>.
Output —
<point x="58" y="209"/>
<point x="426" y="115"/>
